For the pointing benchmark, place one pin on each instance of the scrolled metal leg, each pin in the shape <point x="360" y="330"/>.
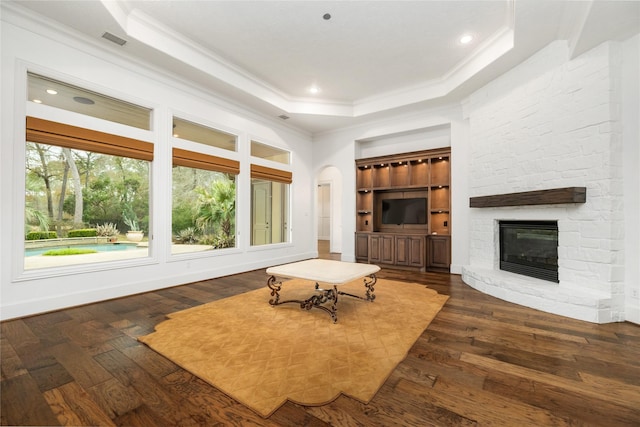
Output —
<point x="317" y="301"/>
<point x="369" y="283"/>
<point x="275" y="289"/>
<point x="334" y="306"/>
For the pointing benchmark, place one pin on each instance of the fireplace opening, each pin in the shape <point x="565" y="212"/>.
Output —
<point x="530" y="248"/>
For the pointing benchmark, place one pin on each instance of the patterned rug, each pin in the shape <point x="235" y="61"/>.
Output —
<point x="263" y="356"/>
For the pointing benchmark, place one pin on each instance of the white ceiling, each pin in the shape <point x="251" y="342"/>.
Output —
<point x="372" y="59"/>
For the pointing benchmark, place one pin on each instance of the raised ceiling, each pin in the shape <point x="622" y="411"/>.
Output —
<point x="370" y="59"/>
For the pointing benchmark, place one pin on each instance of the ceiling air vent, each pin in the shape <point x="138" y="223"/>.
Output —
<point x="113" y="38"/>
<point x="283" y="116"/>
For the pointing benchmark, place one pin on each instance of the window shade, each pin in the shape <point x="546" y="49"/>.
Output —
<point x="270" y="174"/>
<point x="196" y="160"/>
<point x="63" y="135"/>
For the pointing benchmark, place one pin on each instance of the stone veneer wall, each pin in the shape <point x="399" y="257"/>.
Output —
<point x="552" y="122"/>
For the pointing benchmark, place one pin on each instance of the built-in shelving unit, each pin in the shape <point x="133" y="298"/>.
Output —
<point x="423" y="174"/>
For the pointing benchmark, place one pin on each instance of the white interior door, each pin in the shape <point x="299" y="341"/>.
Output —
<point x="324" y="212"/>
<point x="261" y="213"/>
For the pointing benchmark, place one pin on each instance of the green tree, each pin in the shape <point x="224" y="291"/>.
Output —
<point x="216" y="208"/>
<point x="77" y="187"/>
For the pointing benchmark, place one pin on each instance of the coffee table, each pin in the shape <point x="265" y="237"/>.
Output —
<point x="329" y="272"/>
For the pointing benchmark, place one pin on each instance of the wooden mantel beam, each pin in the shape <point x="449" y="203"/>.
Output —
<point x="539" y="197"/>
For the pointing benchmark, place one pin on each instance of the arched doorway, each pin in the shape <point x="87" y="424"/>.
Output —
<point x="329" y="211"/>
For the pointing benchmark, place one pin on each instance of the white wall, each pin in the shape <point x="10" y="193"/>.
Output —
<point x="630" y="88"/>
<point x="95" y="67"/>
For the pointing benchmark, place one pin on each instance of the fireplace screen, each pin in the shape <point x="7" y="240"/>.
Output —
<point x="530" y="248"/>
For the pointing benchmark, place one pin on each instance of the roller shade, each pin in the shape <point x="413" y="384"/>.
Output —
<point x="196" y="160"/>
<point x="271" y="174"/>
<point x="63" y="135"/>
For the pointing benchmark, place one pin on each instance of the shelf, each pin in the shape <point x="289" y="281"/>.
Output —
<point x="539" y="197"/>
<point x="419" y="173"/>
<point x="364" y="177"/>
<point x="440" y="170"/>
<point x="399" y="174"/>
<point x="381" y="177"/>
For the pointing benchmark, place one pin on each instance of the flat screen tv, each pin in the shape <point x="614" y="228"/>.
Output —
<point x="404" y="211"/>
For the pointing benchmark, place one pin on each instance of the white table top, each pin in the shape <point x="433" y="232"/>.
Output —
<point x="324" y="270"/>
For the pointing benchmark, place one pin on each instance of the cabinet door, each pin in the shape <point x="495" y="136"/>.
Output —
<point x="387" y="249"/>
<point x="362" y="247"/>
<point x="381" y="249"/>
<point x="416" y="252"/>
<point x="439" y="252"/>
<point x="374" y="248"/>
<point x="410" y="251"/>
<point x="403" y="247"/>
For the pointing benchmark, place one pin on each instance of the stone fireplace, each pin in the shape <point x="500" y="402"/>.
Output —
<point x="541" y="249"/>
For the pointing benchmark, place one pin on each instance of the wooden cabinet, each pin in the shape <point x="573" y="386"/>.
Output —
<point x="410" y="251"/>
<point x="362" y="247"/>
<point x="391" y="249"/>
<point x="418" y="175"/>
<point x="439" y="250"/>
<point x="381" y="249"/>
<point x="439" y="195"/>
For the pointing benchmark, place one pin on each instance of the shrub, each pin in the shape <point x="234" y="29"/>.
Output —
<point x="107" y="230"/>
<point x="187" y="236"/>
<point x="83" y="232"/>
<point x="218" y="241"/>
<point x="41" y="235"/>
<point x="69" y="251"/>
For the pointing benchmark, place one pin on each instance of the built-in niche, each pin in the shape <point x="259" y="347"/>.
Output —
<point x="403" y="208"/>
<point x="396" y="211"/>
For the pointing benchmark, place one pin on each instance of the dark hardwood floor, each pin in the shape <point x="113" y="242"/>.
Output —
<point x="482" y="361"/>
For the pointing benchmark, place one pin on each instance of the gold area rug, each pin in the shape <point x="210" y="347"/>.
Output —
<point x="263" y="355"/>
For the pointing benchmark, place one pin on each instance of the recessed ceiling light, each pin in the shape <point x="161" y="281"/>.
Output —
<point x="52" y="92"/>
<point x="314" y="89"/>
<point x="466" y="39"/>
<point x="37" y="101"/>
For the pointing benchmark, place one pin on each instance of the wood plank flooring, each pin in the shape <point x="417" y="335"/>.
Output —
<point x="482" y="361"/>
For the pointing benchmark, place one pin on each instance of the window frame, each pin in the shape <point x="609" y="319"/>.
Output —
<point x="207" y="157"/>
<point x="274" y="171"/>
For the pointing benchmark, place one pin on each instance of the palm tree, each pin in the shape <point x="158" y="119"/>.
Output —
<point x="32" y="215"/>
<point x="216" y="207"/>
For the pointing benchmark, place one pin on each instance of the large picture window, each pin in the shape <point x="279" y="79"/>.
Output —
<point x="86" y="196"/>
<point x="203" y="213"/>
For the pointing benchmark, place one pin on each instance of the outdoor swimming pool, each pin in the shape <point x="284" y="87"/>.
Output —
<point x="106" y="247"/>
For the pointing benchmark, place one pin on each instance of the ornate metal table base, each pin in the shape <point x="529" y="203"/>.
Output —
<point x="322" y="296"/>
